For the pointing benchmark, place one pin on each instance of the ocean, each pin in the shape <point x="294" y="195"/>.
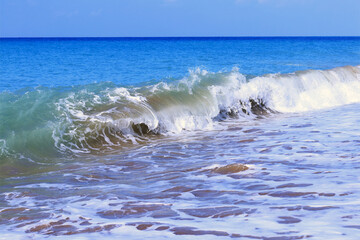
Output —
<point x="180" y="138"/>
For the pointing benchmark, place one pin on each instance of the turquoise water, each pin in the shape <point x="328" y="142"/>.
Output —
<point x="180" y="138"/>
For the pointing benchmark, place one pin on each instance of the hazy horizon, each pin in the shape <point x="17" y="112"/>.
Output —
<point x="174" y="37"/>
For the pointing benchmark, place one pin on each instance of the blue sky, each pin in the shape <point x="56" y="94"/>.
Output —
<point x="148" y="18"/>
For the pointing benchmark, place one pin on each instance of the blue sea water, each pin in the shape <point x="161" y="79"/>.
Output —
<point x="180" y="138"/>
<point x="133" y="61"/>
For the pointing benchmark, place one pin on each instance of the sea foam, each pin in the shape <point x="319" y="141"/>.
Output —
<point x="100" y="117"/>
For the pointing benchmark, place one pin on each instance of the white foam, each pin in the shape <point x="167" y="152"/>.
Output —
<point x="305" y="91"/>
<point x="195" y="102"/>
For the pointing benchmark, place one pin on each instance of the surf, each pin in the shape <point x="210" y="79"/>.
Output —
<point x="45" y="123"/>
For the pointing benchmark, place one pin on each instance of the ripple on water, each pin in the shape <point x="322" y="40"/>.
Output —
<point x="223" y="188"/>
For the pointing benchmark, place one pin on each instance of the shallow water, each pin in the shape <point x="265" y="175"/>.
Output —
<point x="291" y="176"/>
<point x="180" y="138"/>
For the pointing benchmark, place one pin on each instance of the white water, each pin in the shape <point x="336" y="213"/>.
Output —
<point x="195" y="103"/>
<point x="301" y="181"/>
<point x="306" y="91"/>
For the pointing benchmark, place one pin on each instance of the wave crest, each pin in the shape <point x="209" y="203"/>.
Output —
<point x="103" y="117"/>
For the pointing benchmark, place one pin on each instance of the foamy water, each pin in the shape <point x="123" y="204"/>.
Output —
<point x="96" y="120"/>
<point x="215" y="153"/>
<point x="289" y="176"/>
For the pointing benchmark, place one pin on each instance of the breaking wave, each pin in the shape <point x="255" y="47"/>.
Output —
<point x="52" y="122"/>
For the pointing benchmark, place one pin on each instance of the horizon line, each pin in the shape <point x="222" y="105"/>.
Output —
<point x="158" y="37"/>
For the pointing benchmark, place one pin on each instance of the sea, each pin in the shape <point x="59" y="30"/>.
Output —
<point x="180" y="138"/>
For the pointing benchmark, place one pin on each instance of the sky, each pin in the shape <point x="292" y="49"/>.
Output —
<point x="172" y="18"/>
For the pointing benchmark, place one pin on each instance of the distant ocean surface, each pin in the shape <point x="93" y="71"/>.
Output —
<point x="180" y="138"/>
